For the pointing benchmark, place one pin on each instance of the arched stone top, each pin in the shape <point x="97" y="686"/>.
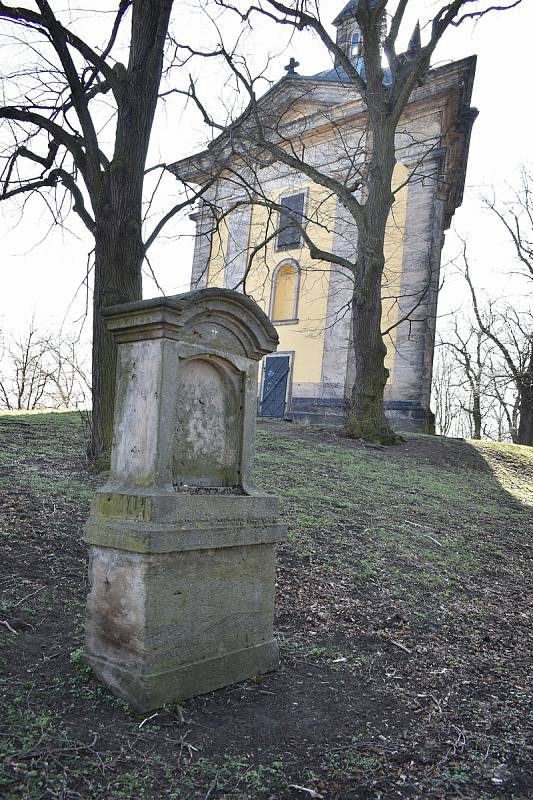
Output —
<point x="284" y="262"/>
<point x="217" y="319"/>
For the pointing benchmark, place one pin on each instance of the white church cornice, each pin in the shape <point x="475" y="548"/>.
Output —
<point x="320" y="108"/>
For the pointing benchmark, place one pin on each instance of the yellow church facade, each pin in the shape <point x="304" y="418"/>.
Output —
<point x="245" y="240"/>
<point x="293" y="289"/>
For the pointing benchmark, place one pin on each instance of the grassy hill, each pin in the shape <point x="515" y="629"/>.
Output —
<point x="402" y="614"/>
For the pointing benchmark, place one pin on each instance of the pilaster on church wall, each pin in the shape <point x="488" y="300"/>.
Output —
<point x="337" y="363"/>
<point x="203" y="217"/>
<point x="419" y="283"/>
<point x="220" y="245"/>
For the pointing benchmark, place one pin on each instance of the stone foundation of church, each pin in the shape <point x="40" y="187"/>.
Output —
<point x="403" y="415"/>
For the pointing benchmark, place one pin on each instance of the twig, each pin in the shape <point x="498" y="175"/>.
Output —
<point x="191" y="749"/>
<point x="147" y="720"/>
<point x="427" y="535"/>
<point x="8" y="626"/>
<point x="53" y="751"/>
<point x="29" y="595"/>
<point x="311" y="792"/>
<point x="213" y="785"/>
<point x="401" y="646"/>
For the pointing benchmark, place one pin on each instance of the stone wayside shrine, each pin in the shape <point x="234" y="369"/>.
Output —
<point x="182" y="546"/>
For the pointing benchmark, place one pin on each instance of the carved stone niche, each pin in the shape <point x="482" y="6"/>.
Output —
<point x="182" y="546"/>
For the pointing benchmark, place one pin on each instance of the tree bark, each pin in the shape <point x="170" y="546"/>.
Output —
<point x="117" y="203"/>
<point x="118" y="260"/>
<point x="525" y="427"/>
<point x="366" y="417"/>
<point x="476" y="415"/>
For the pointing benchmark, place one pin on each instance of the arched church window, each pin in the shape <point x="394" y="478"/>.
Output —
<point x="285" y="290"/>
<point x="355" y="44"/>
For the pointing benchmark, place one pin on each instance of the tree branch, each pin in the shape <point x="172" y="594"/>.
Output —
<point x="26" y="16"/>
<point x="79" y="98"/>
<point x="176" y="209"/>
<point x="68" y="140"/>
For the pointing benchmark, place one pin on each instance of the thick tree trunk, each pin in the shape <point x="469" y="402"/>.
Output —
<point x="117" y="204"/>
<point x="366" y="417"/>
<point x="515" y="416"/>
<point x="476" y="416"/>
<point x="118" y="260"/>
<point x="525" y="427"/>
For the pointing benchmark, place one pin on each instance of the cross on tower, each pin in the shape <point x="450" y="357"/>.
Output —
<point x="291" y="66"/>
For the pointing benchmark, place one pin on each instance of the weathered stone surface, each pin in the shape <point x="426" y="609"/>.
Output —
<point x="236" y="259"/>
<point x="162" y="627"/>
<point x="208" y="441"/>
<point x="182" y="546"/>
<point x="202" y="245"/>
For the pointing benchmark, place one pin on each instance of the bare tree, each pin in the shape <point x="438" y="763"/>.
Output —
<point x="516" y="216"/>
<point x="55" y="140"/>
<point x="511" y="332"/>
<point x="472" y="357"/>
<point x="483" y="362"/>
<point x="472" y="395"/>
<point x="447" y="409"/>
<point x="365" y="188"/>
<point x="25" y="377"/>
<point x="69" y="384"/>
<point x="43" y="370"/>
<point x="505" y="410"/>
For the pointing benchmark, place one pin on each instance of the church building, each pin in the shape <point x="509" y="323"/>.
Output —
<point x="246" y="238"/>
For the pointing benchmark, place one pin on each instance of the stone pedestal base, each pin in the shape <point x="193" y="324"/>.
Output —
<point x="146" y="692"/>
<point x="181" y="607"/>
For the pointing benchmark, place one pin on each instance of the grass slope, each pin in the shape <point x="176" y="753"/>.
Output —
<point x="402" y="616"/>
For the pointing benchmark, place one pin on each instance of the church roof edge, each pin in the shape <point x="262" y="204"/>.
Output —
<point x="197" y="169"/>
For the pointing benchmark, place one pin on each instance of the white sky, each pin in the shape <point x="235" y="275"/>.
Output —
<point x="42" y="268"/>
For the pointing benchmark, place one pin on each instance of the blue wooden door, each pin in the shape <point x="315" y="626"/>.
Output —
<point x="275" y="386"/>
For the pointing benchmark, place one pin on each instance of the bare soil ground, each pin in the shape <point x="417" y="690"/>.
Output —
<point x="403" y="614"/>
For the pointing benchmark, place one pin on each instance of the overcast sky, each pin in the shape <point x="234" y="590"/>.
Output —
<point x="43" y="267"/>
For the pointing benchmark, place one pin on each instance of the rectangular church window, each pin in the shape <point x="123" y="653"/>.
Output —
<point x="289" y="234"/>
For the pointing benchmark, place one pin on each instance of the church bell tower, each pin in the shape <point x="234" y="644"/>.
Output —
<point x="349" y="36"/>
